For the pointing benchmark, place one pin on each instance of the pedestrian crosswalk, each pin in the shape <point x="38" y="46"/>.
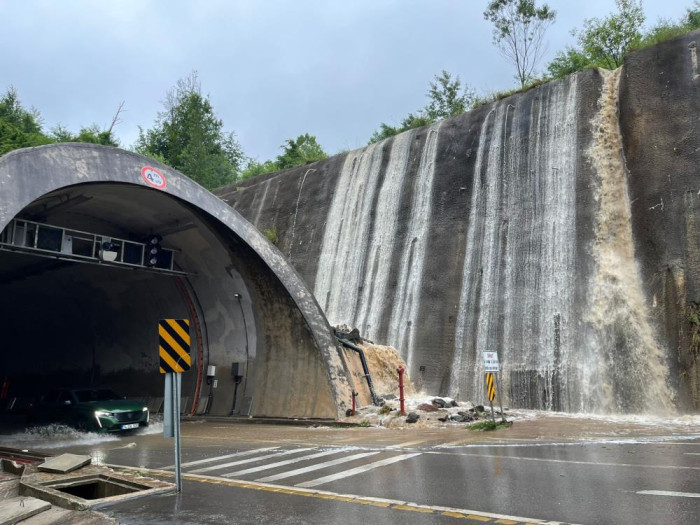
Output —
<point x="304" y="467"/>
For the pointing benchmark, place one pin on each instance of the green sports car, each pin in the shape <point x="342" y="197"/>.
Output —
<point x="89" y="409"/>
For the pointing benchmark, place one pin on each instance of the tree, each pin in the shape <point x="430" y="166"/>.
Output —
<point x="606" y="41"/>
<point x="19" y="128"/>
<point x="447" y="98"/>
<point x="519" y="27"/>
<point x="568" y="62"/>
<point x="188" y="136"/>
<point x="302" y="150"/>
<point x="255" y="168"/>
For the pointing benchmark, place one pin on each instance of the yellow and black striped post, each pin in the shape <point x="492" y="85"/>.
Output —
<point x="491" y="391"/>
<point x="174" y="345"/>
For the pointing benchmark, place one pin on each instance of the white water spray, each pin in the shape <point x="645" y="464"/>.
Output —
<point x="624" y="371"/>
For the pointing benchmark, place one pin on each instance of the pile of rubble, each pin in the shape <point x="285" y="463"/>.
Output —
<point x="422" y="412"/>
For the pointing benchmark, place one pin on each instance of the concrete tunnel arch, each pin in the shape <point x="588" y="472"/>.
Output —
<point x="94" y="323"/>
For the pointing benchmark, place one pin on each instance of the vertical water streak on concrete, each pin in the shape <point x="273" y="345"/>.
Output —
<point x="519" y="268"/>
<point x="404" y="315"/>
<point x="470" y="274"/>
<point x="625" y="371"/>
<point x="261" y="204"/>
<point x="346" y="235"/>
<point x="377" y="267"/>
<point x="296" y="211"/>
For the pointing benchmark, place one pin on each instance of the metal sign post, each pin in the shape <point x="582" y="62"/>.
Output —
<point x="491" y="391"/>
<point x="174" y="354"/>
<point x="492" y="367"/>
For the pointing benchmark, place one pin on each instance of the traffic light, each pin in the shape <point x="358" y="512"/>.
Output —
<point x="152" y="251"/>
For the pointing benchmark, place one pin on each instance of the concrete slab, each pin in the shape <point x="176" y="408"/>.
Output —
<point x="20" y="508"/>
<point x="65" y="463"/>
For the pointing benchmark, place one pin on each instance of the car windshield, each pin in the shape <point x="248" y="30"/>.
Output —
<point x="85" y="396"/>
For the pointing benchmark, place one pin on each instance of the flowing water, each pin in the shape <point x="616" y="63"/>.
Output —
<point x="519" y="266"/>
<point x="591" y="352"/>
<point x="404" y="315"/>
<point x="624" y="369"/>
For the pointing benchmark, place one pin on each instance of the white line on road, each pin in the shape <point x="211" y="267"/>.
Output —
<point x="249" y="460"/>
<point x="317" y="466"/>
<point x="218" y="458"/>
<point x="692" y="453"/>
<point x="354" y="471"/>
<point x="669" y="493"/>
<point x="545" y="460"/>
<point x="282" y="463"/>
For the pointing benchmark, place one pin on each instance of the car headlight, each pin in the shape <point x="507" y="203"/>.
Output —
<point x="144" y="409"/>
<point x="102" y="413"/>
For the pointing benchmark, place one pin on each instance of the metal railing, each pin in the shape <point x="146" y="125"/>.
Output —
<point x="69" y="244"/>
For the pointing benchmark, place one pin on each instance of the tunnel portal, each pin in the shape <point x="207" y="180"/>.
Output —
<point x="81" y="297"/>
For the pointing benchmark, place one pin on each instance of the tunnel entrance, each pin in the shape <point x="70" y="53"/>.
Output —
<point x="81" y="301"/>
<point x="74" y="319"/>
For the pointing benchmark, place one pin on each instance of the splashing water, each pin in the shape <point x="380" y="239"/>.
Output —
<point x="624" y="371"/>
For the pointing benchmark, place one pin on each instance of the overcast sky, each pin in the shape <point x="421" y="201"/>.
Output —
<point x="273" y="69"/>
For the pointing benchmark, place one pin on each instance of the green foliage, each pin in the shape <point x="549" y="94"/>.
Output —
<point x="19" y="128"/>
<point x="667" y="29"/>
<point x="305" y="149"/>
<point x="446" y="97"/>
<point x="271" y="235"/>
<point x="384" y="410"/>
<point x="258" y="168"/>
<point x="297" y="152"/>
<point x="92" y="135"/>
<point x="519" y="27"/>
<point x="489" y="424"/>
<point x="568" y="62"/>
<point x="692" y="314"/>
<point x="188" y="136"/>
<point x="606" y="41"/>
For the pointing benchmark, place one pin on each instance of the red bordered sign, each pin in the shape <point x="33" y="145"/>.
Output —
<point x="153" y="177"/>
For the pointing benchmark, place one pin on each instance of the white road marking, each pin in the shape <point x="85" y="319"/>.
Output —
<point x="249" y="460"/>
<point x="670" y="493"/>
<point x="282" y="463"/>
<point x="317" y="466"/>
<point x="351" y="497"/>
<point x="545" y="460"/>
<point x="218" y="458"/>
<point x="358" y="470"/>
<point x="692" y="453"/>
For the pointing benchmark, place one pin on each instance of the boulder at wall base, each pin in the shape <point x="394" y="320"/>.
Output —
<point x="425" y="407"/>
<point x="412" y="417"/>
<point x="479" y="408"/>
<point x="440" y="403"/>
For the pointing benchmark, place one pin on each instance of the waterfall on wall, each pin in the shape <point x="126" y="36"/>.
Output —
<point x="404" y="314"/>
<point x="623" y="367"/>
<point x="519" y="267"/>
<point x="361" y="237"/>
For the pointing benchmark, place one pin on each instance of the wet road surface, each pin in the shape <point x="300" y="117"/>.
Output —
<point x="536" y="471"/>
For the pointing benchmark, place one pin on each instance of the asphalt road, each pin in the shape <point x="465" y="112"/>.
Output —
<point x="271" y="474"/>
